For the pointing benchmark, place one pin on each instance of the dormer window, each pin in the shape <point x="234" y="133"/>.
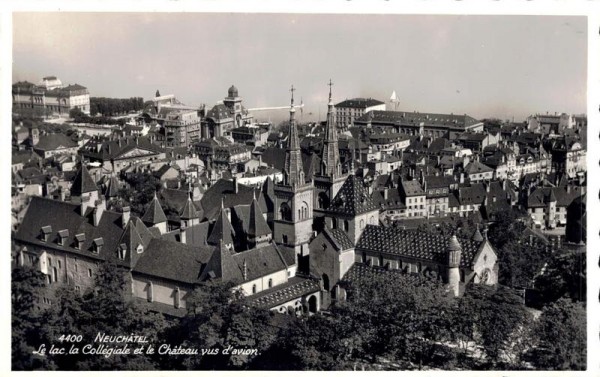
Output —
<point x="63" y="235"/>
<point x="79" y="240"/>
<point x="97" y="245"/>
<point x="122" y="251"/>
<point x="140" y="249"/>
<point x="45" y="233"/>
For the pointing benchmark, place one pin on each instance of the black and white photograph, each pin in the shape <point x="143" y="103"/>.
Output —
<point x="288" y="191"/>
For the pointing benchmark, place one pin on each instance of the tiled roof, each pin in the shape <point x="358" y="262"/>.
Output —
<point x="543" y="195"/>
<point x="339" y="237"/>
<point x="352" y="199"/>
<point x="360" y="272"/>
<point x="295" y="287"/>
<point x="257" y="225"/>
<point x="112" y="187"/>
<point x="189" y="210"/>
<point x="413" y="244"/>
<point x="219" y="112"/>
<point x="472" y="194"/>
<point x="83" y="182"/>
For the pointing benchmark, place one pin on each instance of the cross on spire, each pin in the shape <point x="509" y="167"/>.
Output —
<point x="292" y="90"/>
<point x="330" y="85"/>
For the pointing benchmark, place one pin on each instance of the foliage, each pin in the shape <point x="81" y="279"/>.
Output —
<point x="490" y="317"/>
<point x="76" y="113"/>
<point x="140" y="191"/>
<point x="218" y="317"/>
<point x="564" y="276"/>
<point x="106" y="308"/>
<point x="28" y="287"/>
<point x="115" y="106"/>
<point x="519" y="263"/>
<point x="561" y="337"/>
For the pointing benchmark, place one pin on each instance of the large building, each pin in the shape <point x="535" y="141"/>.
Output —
<point x="349" y="110"/>
<point x="224" y="117"/>
<point x="426" y="124"/>
<point x="50" y="96"/>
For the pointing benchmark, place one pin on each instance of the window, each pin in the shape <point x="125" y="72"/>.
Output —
<point x="89" y="272"/>
<point x="253" y="288"/>
<point x="270" y="283"/>
<point x="284" y="238"/>
<point x="346" y="225"/>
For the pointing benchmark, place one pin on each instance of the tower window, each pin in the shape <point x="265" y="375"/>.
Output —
<point x="270" y="283"/>
<point x="253" y="288"/>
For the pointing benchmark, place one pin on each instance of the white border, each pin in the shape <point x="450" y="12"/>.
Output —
<point x="588" y="8"/>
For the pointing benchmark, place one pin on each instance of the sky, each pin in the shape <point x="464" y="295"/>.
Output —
<point x="484" y="66"/>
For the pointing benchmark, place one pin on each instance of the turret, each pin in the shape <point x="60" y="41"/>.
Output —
<point x="454" y="252"/>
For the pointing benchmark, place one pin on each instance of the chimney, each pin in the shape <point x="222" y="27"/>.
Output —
<point x="462" y="177"/>
<point x="100" y="206"/>
<point x="61" y="193"/>
<point x="125" y="217"/>
<point x="236" y="187"/>
<point x="385" y="193"/>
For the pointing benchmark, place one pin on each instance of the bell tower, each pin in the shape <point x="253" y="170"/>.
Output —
<point x="292" y="223"/>
<point x="329" y="177"/>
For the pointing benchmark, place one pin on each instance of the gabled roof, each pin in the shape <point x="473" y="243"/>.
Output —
<point x="112" y="188"/>
<point x="415" y="244"/>
<point x="83" y="182"/>
<point x="352" y="199"/>
<point x="223" y="191"/>
<point x="154" y="214"/>
<point x="338" y="238"/>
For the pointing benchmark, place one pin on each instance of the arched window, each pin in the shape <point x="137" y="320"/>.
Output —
<point x="362" y="224"/>
<point x="346" y="225"/>
<point x="372" y="220"/>
<point x="334" y="223"/>
<point x="270" y="283"/>
<point x="323" y="200"/>
<point x="285" y="212"/>
<point x="253" y="288"/>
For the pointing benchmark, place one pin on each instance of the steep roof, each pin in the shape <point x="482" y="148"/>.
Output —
<point x="173" y="260"/>
<point x="260" y="261"/>
<point x="55" y="141"/>
<point x="352" y="199"/>
<point x="222" y="230"/>
<point x="112" y="188"/>
<point x="222" y="266"/>
<point x="154" y="214"/>
<point x="257" y="225"/>
<point x="414" y="244"/>
<point x="83" y="182"/>
<point x="189" y="210"/>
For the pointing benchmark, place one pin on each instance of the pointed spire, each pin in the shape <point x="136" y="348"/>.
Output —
<point x="293" y="173"/>
<point x="83" y="182"/>
<point x="154" y="214"/>
<point x="222" y="230"/>
<point x="330" y="158"/>
<point x="453" y="244"/>
<point x="257" y="225"/>
<point x="189" y="210"/>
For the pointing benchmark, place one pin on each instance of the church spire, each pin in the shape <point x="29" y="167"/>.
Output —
<point x="293" y="174"/>
<point x="330" y="160"/>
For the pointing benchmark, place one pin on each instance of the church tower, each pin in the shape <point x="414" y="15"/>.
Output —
<point x="292" y="223"/>
<point x="329" y="177"/>
<point x="234" y="103"/>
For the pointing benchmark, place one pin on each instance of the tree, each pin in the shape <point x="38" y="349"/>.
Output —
<point x="28" y="287"/>
<point x="564" y="276"/>
<point x="561" y="337"/>
<point x="106" y="308"/>
<point x="76" y="113"/>
<point x="491" y="317"/>
<point x="219" y="317"/>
